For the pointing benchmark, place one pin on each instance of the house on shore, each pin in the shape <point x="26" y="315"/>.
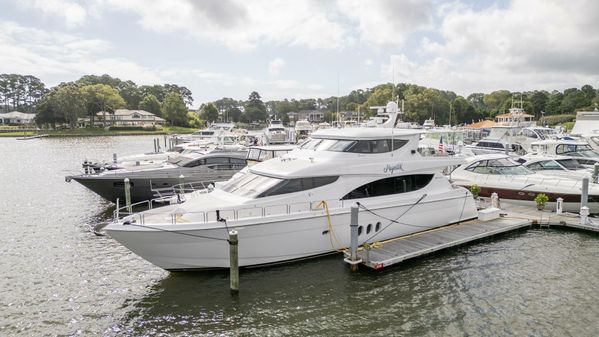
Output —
<point x="16" y="117"/>
<point x="312" y="116"/>
<point x="123" y="117"/>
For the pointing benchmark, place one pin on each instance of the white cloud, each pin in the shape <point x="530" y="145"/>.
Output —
<point x="275" y="66"/>
<point x="530" y="44"/>
<point x="50" y="54"/>
<point x="240" y="25"/>
<point x="388" y="21"/>
<point x="73" y="14"/>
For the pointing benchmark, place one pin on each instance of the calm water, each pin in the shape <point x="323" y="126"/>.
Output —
<point x="60" y="279"/>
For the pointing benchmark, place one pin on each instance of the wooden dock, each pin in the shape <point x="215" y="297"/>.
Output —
<point x="390" y="252"/>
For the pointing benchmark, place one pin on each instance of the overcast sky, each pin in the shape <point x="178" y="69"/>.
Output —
<point x="299" y="48"/>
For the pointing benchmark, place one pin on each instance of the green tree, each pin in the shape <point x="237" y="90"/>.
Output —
<point x="554" y="103"/>
<point x="539" y="100"/>
<point x="151" y="104"/>
<point x="574" y="99"/>
<point x="194" y="120"/>
<point x="101" y="98"/>
<point x="209" y="113"/>
<point x="255" y="109"/>
<point x="174" y="109"/>
<point x="497" y="102"/>
<point x="233" y="114"/>
<point x="69" y="101"/>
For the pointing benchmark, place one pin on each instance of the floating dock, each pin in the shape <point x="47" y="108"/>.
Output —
<point x="390" y="252"/>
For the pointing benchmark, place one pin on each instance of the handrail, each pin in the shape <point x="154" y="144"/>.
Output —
<point x="238" y="213"/>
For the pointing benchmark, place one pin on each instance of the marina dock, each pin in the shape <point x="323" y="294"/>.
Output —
<point x="513" y="218"/>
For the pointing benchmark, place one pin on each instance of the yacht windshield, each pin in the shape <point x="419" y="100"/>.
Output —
<point x="354" y="146"/>
<point x="502" y="166"/>
<point x="250" y="185"/>
<point x="571" y="164"/>
<point x="577" y="150"/>
<point x="253" y="185"/>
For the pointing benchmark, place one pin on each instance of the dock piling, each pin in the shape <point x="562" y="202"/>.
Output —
<point x="494" y="200"/>
<point x="234" y="261"/>
<point x="353" y="248"/>
<point x="584" y="197"/>
<point x="595" y="173"/>
<point x="128" y="195"/>
<point x="559" y="206"/>
<point x="584" y="215"/>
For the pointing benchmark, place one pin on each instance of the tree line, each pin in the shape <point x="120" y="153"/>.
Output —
<point x="91" y="94"/>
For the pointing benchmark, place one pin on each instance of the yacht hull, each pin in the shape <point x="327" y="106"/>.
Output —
<point x="113" y="187"/>
<point x="290" y="237"/>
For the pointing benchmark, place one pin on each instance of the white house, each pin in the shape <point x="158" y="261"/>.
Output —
<point x="16" y="117"/>
<point x="124" y="117"/>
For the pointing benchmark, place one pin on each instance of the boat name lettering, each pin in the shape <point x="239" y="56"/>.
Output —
<point x="392" y="169"/>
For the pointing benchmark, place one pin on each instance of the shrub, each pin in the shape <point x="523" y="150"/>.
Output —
<point x="475" y="190"/>
<point x="541" y="199"/>
<point x="556" y="119"/>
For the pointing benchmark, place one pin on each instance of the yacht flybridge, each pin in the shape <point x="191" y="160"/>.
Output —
<point x="298" y="206"/>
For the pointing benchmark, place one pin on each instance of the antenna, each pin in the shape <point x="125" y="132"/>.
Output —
<point x="338" y="97"/>
<point x="393" y="79"/>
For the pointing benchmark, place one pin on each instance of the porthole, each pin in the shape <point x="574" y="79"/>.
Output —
<point x="368" y="228"/>
<point x="377" y="227"/>
<point x="360" y="228"/>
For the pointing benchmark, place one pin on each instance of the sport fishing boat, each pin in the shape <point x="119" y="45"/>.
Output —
<point x="518" y="184"/>
<point x="298" y="206"/>
<point x="146" y="179"/>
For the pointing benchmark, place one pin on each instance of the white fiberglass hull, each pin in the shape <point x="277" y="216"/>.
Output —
<point x="287" y="237"/>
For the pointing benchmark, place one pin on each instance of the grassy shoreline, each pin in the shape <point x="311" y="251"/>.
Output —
<point x="98" y="132"/>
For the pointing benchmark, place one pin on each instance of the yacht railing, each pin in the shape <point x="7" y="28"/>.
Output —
<point x="230" y="214"/>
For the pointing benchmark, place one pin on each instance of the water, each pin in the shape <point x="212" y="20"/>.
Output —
<point x="59" y="279"/>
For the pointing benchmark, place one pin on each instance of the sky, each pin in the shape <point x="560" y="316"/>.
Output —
<point x="305" y="48"/>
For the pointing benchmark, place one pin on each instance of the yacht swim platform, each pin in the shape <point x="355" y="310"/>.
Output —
<point x="513" y="217"/>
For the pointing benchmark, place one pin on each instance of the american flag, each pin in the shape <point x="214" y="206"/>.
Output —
<point x="441" y="147"/>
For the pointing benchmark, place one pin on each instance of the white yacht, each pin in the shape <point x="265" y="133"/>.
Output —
<point x="428" y="124"/>
<point x="303" y="129"/>
<point x="518" y="184"/>
<point x="587" y="127"/>
<point x="275" y="133"/>
<point x="298" y="206"/>
<point x="579" y="150"/>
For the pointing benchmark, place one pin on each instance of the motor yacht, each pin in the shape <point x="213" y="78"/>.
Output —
<point x="145" y="179"/>
<point x="275" y="133"/>
<point x="494" y="146"/>
<point x="298" y="206"/>
<point x="577" y="149"/>
<point x="587" y="127"/>
<point x="303" y="129"/>
<point x="519" y="184"/>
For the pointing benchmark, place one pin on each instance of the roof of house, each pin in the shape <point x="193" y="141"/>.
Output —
<point x="17" y="115"/>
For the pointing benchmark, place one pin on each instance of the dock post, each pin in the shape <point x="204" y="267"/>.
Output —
<point x="165" y="141"/>
<point x="128" y="195"/>
<point x="353" y="248"/>
<point x="595" y="172"/>
<point x="494" y="200"/>
<point x="584" y="215"/>
<point x="154" y="141"/>
<point x="158" y="144"/>
<point x="181" y="182"/>
<point x="114" y="158"/>
<point x="559" y="206"/>
<point x="584" y="197"/>
<point x="234" y="261"/>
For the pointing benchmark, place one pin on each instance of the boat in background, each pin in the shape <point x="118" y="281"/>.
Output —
<point x="496" y="173"/>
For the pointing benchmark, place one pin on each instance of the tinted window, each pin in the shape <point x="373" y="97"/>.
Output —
<point x="297" y="185"/>
<point x="388" y="186"/>
<point x="195" y="163"/>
